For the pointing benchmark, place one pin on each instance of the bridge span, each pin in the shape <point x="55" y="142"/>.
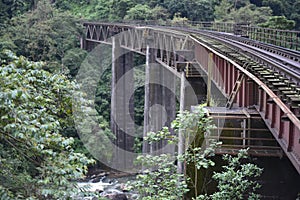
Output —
<point x="259" y="82"/>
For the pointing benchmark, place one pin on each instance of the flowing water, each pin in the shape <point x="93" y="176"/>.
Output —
<point x="104" y="186"/>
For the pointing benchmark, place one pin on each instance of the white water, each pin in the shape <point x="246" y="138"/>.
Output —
<point x="105" y="187"/>
<point x="93" y="187"/>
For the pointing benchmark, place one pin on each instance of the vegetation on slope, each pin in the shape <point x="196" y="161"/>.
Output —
<point x="39" y="145"/>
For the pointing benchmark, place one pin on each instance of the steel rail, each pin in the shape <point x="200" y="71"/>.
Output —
<point x="281" y="51"/>
<point x="285" y="52"/>
<point x="283" y="66"/>
<point x="290" y="71"/>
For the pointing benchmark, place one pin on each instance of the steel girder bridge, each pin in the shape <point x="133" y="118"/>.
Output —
<point x="259" y="81"/>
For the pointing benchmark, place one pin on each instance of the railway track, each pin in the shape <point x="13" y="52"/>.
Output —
<point x="284" y="61"/>
<point x="277" y="67"/>
<point x="284" y="52"/>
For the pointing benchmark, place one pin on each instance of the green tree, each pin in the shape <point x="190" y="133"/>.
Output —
<point x="119" y="8"/>
<point x="204" y="6"/>
<point x="222" y="10"/>
<point x="276" y="5"/>
<point x="194" y="125"/>
<point x="12" y="8"/>
<point x="159" y="13"/>
<point x="252" y="14"/>
<point x="72" y="59"/>
<point x="237" y="181"/>
<point x="139" y="12"/>
<point x="69" y="4"/>
<point x="176" y="6"/>
<point x="37" y="162"/>
<point x="229" y="12"/>
<point x="86" y="9"/>
<point x="100" y="11"/>
<point x="160" y="179"/>
<point x="279" y="22"/>
<point x="162" y="183"/>
<point x="295" y="15"/>
<point x="144" y="12"/>
<point x="239" y="3"/>
<point x="92" y="114"/>
<point x="195" y="10"/>
<point x="45" y="34"/>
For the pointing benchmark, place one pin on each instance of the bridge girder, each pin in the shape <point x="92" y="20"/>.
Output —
<point x="279" y="116"/>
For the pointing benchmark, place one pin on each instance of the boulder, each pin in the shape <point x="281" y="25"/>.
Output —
<point x="119" y="197"/>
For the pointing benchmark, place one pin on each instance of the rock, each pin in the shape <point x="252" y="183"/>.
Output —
<point x="134" y="196"/>
<point x="90" y="198"/>
<point x="98" y="179"/>
<point x="112" y="193"/>
<point x="93" y="176"/>
<point x="119" y="197"/>
<point x="104" y="174"/>
<point x="124" y="187"/>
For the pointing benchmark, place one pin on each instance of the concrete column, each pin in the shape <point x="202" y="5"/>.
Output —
<point x="181" y="143"/>
<point x="82" y="43"/>
<point x="128" y="102"/>
<point x="209" y="77"/>
<point x="153" y="98"/>
<point x="115" y="54"/>
<point x="122" y="103"/>
<point x="169" y="96"/>
<point x="149" y="57"/>
<point x="87" y="45"/>
<point x="160" y="100"/>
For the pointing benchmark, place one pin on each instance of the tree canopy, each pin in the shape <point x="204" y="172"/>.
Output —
<point x="44" y="34"/>
<point x="255" y="11"/>
<point x="36" y="160"/>
<point x="39" y="146"/>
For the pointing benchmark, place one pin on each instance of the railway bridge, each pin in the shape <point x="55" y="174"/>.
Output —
<point x="248" y="76"/>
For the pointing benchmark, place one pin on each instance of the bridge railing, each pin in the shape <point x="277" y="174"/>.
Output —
<point x="284" y="38"/>
<point x="227" y="27"/>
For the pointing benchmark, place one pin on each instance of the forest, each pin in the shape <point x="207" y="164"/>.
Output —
<point x="40" y="151"/>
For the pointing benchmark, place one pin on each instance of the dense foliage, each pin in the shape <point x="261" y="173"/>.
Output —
<point x="45" y="34"/>
<point x="160" y="180"/>
<point x="39" y="145"/>
<point x="255" y="11"/>
<point x="35" y="106"/>
<point x="237" y="181"/>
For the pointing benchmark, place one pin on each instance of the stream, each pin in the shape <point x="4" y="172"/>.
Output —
<point x="106" y="184"/>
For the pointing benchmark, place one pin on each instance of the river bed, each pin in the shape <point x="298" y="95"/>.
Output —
<point x="106" y="185"/>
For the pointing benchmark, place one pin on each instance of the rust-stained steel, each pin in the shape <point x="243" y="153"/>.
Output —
<point x="277" y="107"/>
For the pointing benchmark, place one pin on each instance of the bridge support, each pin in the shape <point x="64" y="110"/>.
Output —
<point x="209" y="77"/>
<point x="160" y="101"/>
<point x="122" y="104"/>
<point x="181" y="142"/>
